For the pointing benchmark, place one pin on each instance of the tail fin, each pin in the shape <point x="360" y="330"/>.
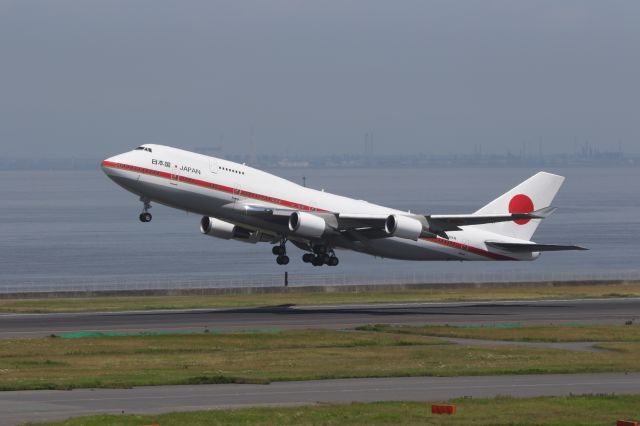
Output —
<point x="535" y="193"/>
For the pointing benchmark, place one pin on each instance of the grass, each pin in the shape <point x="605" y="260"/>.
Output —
<point x="56" y="363"/>
<point x="47" y="305"/>
<point x="553" y="411"/>
<point x="530" y="333"/>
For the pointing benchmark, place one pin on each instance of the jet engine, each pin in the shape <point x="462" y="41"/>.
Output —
<point x="228" y="231"/>
<point x="306" y="225"/>
<point x="403" y="227"/>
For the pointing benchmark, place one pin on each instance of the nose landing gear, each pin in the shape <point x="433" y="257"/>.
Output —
<point x="145" y="216"/>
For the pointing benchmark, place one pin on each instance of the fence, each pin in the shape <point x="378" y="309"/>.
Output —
<point x="122" y="283"/>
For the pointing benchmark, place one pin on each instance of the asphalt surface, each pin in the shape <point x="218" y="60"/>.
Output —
<point x="24" y="406"/>
<point x="339" y="316"/>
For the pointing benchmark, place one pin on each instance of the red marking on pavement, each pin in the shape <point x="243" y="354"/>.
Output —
<point x="521" y="204"/>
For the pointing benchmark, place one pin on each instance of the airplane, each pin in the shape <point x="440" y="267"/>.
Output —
<point x="238" y="202"/>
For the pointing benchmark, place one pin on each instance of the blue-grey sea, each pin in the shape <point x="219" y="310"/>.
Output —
<point x="59" y="227"/>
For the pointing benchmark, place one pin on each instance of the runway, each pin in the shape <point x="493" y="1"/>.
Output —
<point x="338" y="316"/>
<point x="23" y="406"/>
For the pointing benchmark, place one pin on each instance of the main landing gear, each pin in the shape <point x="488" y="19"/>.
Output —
<point x="145" y="216"/>
<point x="321" y="256"/>
<point x="281" y="252"/>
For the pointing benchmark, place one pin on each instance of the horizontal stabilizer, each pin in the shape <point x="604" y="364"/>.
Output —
<point x="531" y="247"/>
<point x="453" y="221"/>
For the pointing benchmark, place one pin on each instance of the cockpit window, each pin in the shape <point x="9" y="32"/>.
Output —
<point x="144" y="148"/>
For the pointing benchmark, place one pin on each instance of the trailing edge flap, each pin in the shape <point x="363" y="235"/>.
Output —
<point x="258" y="210"/>
<point x="349" y="221"/>
<point x="372" y="224"/>
<point x="279" y="216"/>
<point x="531" y="247"/>
<point x="453" y="222"/>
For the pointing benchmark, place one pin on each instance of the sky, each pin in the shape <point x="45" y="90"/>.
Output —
<point x="88" y="79"/>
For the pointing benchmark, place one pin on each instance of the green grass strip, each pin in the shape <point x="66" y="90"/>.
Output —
<point x="529" y="333"/>
<point x="262" y="357"/>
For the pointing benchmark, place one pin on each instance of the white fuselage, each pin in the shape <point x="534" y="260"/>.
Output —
<point x="222" y="189"/>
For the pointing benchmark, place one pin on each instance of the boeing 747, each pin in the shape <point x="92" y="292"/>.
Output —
<point x="238" y="202"/>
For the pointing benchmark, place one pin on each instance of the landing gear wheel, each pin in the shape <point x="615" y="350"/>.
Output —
<point x="308" y="257"/>
<point x="145" y="217"/>
<point x="281" y="251"/>
<point x="317" y="261"/>
<point x="333" y="261"/>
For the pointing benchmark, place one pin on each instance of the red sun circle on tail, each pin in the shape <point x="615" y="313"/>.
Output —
<point x="521" y="204"/>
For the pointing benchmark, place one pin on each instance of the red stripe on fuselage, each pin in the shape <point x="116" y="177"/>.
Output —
<point x="214" y="186"/>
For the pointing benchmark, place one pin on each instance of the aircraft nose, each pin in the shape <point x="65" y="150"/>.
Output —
<point x="108" y="165"/>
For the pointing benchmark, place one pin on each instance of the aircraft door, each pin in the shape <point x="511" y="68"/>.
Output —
<point x="237" y="192"/>
<point x="213" y="166"/>
<point x="175" y="175"/>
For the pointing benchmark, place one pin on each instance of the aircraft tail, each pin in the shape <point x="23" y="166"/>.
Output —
<point x="533" y="194"/>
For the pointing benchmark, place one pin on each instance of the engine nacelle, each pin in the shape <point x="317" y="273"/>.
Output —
<point x="228" y="231"/>
<point x="403" y="227"/>
<point x="306" y="225"/>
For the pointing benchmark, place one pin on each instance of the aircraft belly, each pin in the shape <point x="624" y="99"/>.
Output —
<point x="180" y="197"/>
<point x="127" y="182"/>
<point x="400" y="248"/>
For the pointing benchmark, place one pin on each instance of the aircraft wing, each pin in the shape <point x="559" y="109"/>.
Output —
<point x="353" y="226"/>
<point x="531" y="247"/>
<point x="372" y="226"/>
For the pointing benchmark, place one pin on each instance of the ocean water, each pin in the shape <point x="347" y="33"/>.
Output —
<point x="58" y="227"/>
